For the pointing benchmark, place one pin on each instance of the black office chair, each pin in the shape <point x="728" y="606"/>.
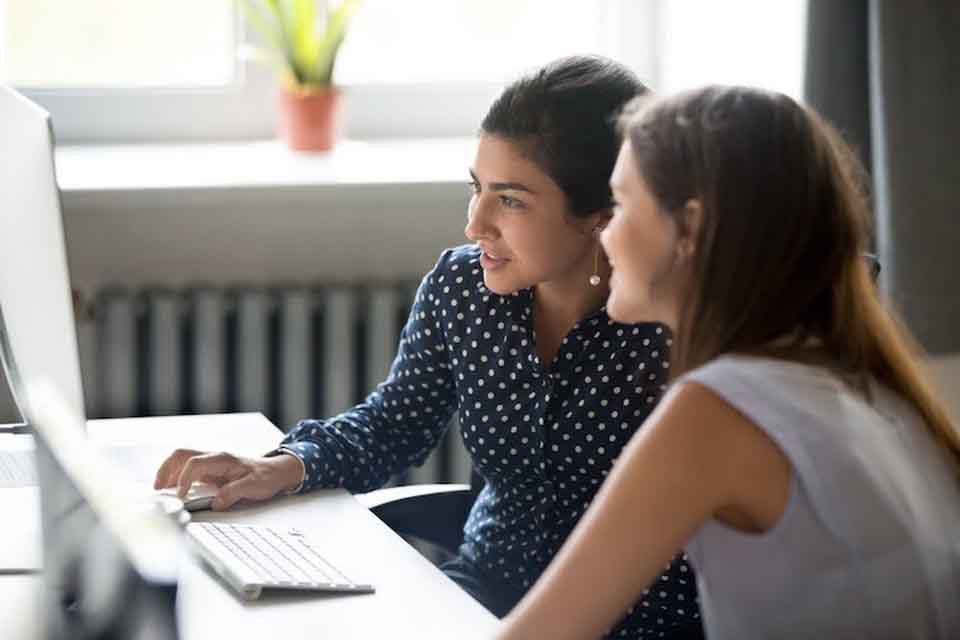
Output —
<point x="432" y="513"/>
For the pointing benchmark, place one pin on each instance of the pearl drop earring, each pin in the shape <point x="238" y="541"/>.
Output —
<point x="595" y="278"/>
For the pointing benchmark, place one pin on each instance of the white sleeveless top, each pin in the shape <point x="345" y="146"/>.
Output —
<point x="869" y="543"/>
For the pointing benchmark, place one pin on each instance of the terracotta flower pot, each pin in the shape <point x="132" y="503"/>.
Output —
<point x="309" y="119"/>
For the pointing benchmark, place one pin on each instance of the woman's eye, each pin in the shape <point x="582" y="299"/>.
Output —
<point x="473" y="186"/>
<point x="511" y="203"/>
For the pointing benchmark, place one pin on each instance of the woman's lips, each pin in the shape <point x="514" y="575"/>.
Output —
<point x="490" y="262"/>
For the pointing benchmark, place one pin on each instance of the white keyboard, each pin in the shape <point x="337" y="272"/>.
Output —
<point x="252" y="558"/>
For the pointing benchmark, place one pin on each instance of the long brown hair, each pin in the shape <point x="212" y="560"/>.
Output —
<point x="778" y="264"/>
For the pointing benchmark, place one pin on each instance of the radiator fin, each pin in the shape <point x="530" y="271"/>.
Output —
<point x="251" y="362"/>
<point x="296" y="348"/>
<point x="117" y="361"/>
<point x="208" y="350"/>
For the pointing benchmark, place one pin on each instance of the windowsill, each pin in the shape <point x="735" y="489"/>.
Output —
<point x="266" y="164"/>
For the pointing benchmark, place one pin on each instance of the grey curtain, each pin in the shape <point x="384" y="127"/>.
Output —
<point x="887" y="74"/>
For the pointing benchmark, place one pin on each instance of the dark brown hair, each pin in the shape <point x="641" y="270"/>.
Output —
<point x="777" y="265"/>
<point x="563" y="117"/>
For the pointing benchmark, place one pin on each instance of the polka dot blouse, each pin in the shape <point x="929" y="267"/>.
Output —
<point x="542" y="435"/>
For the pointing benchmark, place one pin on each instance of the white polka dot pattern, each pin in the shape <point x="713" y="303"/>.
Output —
<point x="543" y="435"/>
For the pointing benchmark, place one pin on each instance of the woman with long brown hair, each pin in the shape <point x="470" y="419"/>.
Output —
<point x="799" y="456"/>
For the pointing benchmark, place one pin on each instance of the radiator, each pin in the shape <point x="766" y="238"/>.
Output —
<point x="288" y="352"/>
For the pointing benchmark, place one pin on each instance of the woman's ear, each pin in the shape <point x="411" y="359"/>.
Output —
<point x="688" y="227"/>
<point x="598" y="220"/>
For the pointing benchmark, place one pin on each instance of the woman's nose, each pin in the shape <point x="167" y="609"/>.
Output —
<point x="478" y="220"/>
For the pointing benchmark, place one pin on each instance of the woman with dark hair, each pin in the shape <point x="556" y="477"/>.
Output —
<point x="511" y="333"/>
<point x="799" y="456"/>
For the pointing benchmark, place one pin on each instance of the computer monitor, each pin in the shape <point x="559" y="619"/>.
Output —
<point x="111" y="553"/>
<point x="37" y="328"/>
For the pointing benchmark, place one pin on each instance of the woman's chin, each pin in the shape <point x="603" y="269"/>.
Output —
<point x="498" y="284"/>
<point x="617" y="310"/>
<point x="628" y="311"/>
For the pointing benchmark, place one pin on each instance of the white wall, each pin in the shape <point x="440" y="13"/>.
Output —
<point x="253" y="236"/>
<point x="349" y="233"/>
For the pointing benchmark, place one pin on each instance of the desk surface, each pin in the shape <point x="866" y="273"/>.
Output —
<point x="413" y="599"/>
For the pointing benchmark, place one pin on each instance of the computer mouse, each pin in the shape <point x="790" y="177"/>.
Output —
<point x="198" y="498"/>
<point x="172" y="507"/>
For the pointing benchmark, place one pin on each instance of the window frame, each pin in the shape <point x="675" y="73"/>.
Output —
<point x="244" y="109"/>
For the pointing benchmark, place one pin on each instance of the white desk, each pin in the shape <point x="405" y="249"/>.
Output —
<point x="413" y="599"/>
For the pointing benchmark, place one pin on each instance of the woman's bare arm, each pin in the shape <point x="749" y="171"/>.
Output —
<point x="694" y="457"/>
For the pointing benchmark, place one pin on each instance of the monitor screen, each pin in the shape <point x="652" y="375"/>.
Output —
<point x="37" y="328"/>
<point x="111" y="551"/>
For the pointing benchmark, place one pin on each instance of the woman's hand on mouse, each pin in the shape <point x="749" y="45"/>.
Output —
<point x="238" y="478"/>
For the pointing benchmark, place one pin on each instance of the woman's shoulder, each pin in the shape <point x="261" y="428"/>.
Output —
<point x="800" y="405"/>
<point x="460" y="265"/>
<point x="769" y="390"/>
<point x="761" y="370"/>
<point x="459" y="258"/>
<point x="455" y="284"/>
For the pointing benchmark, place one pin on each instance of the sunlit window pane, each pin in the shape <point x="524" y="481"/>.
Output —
<point x="460" y="41"/>
<point x="117" y="43"/>
<point x="753" y="42"/>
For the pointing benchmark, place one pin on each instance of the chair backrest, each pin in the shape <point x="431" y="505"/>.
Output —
<point x="476" y="483"/>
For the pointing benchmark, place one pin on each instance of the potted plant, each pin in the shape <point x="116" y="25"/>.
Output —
<point x="303" y="45"/>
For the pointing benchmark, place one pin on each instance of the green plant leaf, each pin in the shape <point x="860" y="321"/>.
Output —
<point x="291" y="28"/>
<point x="285" y="18"/>
<point x="263" y="20"/>
<point x="305" y="41"/>
<point x="333" y="36"/>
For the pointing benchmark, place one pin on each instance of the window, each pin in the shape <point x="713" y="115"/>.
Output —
<point x="411" y="68"/>
<point x="117" y="43"/>
<point x="752" y="42"/>
<point x="449" y="42"/>
<point x="122" y="70"/>
<point x="431" y="67"/>
<point x="126" y="70"/>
